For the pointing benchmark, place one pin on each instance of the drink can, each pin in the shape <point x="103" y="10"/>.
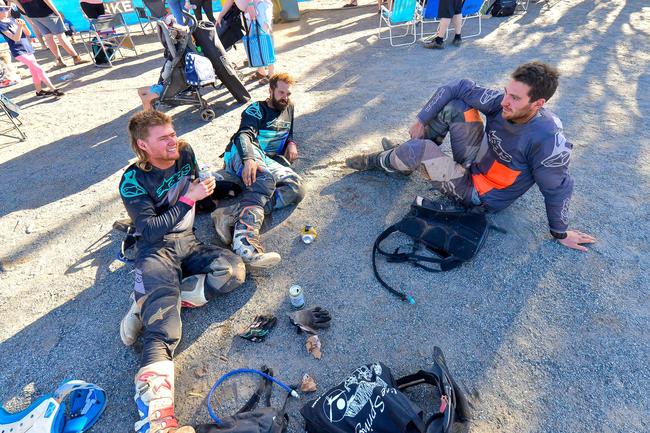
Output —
<point x="297" y="297"/>
<point x="308" y="234"/>
<point x="204" y="172"/>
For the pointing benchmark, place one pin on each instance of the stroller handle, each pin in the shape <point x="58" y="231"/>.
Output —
<point x="191" y="21"/>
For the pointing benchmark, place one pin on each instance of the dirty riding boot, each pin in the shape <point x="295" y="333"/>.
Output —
<point x="224" y="219"/>
<point x="246" y="239"/>
<point x="154" y="397"/>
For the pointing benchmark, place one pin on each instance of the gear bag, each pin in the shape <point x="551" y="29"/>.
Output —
<point x="502" y="8"/>
<point x="448" y="234"/>
<point x="371" y="400"/>
<point x="250" y="418"/>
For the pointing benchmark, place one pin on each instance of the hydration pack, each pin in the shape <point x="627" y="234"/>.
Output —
<point x="502" y="8"/>
<point x="253" y="419"/>
<point x="444" y="237"/>
<point x="372" y="400"/>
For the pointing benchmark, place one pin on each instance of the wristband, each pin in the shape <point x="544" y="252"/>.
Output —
<point x="558" y="235"/>
<point x="251" y="4"/>
<point x="187" y="201"/>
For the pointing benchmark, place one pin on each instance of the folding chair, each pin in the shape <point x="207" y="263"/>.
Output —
<point x="400" y="13"/>
<point x="111" y="34"/>
<point x="156" y="8"/>
<point x="471" y="9"/>
<point x="523" y="5"/>
<point x="143" y="17"/>
<point x="429" y="15"/>
<point x="12" y="111"/>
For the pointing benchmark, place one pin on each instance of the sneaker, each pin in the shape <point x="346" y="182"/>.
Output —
<point x="131" y="324"/>
<point x="364" y="161"/>
<point x="458" y="41"/>
<point x="436" y="44"/>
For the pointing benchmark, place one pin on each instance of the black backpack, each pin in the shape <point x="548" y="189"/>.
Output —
<point x="449" y="236"/>
<point x="502" y="8"/>
<point x="371" y="400"/>
<point x="253" y="419"/>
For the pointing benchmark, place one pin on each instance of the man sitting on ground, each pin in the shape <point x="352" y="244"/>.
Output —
<point x="265" y="136"/>
<point x="172" y="267"/>
<point x="521" y="144"/>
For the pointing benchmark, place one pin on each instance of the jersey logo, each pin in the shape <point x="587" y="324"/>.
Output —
<point x="564" y="213"/>
<point x="434" y="100"/>
<point x="489" y="95"/>
<point x="561" y="153"/>
<point x="172" y="180"/>
<point x="495" y="141"/>
<point x="130" y="187"/>
<point x="278" y="124"/>
<point x="254" y="110"/>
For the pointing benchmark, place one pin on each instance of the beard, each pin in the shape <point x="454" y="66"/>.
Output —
<point x="280" y="104"/>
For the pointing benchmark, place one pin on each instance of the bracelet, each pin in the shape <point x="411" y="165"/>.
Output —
<point x="251" y="4"/>
<point x="558" y="235"/>
<point x="187" y="201"/>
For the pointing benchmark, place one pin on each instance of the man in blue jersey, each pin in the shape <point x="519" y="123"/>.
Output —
<point x="521" y="144"/>
<point x="260" y="153"/>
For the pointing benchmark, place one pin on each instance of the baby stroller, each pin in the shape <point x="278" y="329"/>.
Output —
<point x="185" y="71"/>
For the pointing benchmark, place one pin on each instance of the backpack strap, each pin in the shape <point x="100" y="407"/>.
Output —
<point x="401" y="295"/>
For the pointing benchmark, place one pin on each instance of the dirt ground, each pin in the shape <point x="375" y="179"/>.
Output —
<point x="545" y="339"/>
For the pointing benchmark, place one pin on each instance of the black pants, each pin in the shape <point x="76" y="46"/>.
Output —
<point x="92" y="10"/>
<point x="206" y="5"/>
<point x="160" y="267"/>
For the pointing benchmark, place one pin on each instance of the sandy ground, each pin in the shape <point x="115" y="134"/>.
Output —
<point x="547" y="339"/>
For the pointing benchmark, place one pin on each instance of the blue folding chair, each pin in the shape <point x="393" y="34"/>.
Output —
<point x="471" y="9"/>
<point x="429" y="15"/>
<point x="399" y="13"/>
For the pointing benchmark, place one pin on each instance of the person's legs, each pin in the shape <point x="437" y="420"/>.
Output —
<point x="38" y="74"/>
<point x="289" y="187"/>
<point x="207" y="8"/>
<point x="176" y="9"/>
<point x="67" y="46"/>
<point x="250" y="214"/>
<point x="208" y="271"/>
<point x="157" y="292"/>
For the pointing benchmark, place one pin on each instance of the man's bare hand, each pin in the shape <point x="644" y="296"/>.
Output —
<point x="417" y="130"/>
<point x="200" y="190"/>
<point x="292" y="151"/>
<point x="575" y="239"/>
<point x="249" y="173"/>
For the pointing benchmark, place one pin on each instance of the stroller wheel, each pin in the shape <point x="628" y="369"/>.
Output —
<point x="208" y="114"/>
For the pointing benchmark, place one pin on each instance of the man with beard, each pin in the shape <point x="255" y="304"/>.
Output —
<point x="172" y="267"/>
<point x="260" y="153"/>
<point x="521" y="144"/>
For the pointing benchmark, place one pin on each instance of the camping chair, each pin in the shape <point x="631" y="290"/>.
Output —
<point x="429" y="15"/>
<point x="156" y="8"/>
<point x="523" y="5"/>
<point x="12" y="111"/>
<point x="110" y="33"/>
<point x="400" y="13"/>
<point x="471" y="9"/>
<point x="144" y="17"/>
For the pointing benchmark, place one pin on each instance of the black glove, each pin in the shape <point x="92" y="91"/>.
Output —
<point x="260" y="328"/>
<point x="311" y="319"/>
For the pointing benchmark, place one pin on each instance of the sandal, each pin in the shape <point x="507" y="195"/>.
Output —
<point x="352" y="4"/>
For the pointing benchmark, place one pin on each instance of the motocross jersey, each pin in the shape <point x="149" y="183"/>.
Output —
<point x="152" y="197"/>
<point x="518" y="155"/>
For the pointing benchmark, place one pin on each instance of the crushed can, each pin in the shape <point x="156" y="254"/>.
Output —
<point x="308" y="234"/>
<point x="296" y="297"/>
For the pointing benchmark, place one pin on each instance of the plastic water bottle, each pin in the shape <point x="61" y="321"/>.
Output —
<point x="67" y="77"/>
<point x="204" y="172"/>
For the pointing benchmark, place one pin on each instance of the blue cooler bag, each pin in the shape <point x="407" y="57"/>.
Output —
<point x="259" y="46"/>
